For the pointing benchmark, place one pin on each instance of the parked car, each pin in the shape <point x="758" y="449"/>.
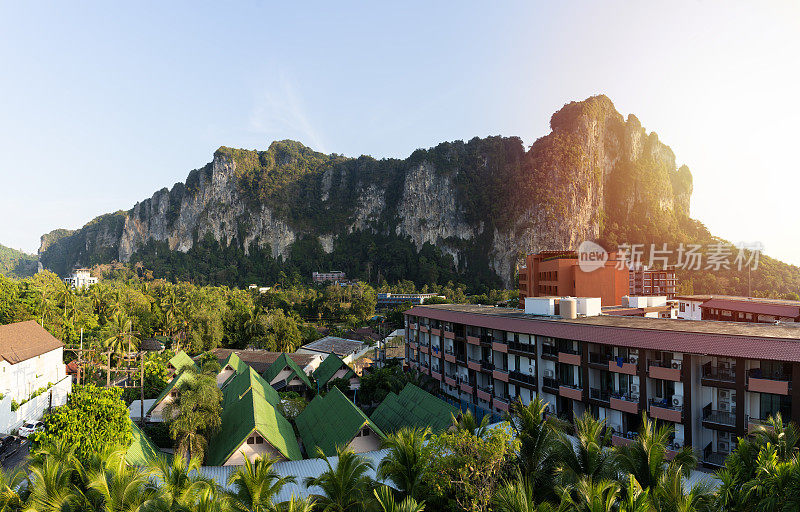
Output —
<point x="30" y="427"/>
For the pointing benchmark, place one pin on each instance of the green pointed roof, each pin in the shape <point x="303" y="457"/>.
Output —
<point x="236" y="364"/>
<point x="181" y="361"/>
<point x="239" y="384"/>
<point x="252" y="413"/>
<point x="142" y="451"/>
<point x="328" y="368"/>
<point x="175" y="382"/>
<point x="283" y="362"/>
<point x="331" y="421"/>
<point x="413" y="407"/>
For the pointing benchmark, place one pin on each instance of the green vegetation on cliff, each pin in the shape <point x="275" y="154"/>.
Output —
<point x="16" y="263"/>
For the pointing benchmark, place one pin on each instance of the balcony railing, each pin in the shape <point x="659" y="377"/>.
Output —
<point x="548" y="382"/>
<point x="599" y="358"/>
<point x="597" y="394"/>
<point x="722" y="373"/>
<point x="718" y="417"/>
<point x="528" y="379"/>
<point x="549" y="350"/>
<point x="757" y="373"/>
<point x="486" y="365"/>
<point x="522" y="347"/>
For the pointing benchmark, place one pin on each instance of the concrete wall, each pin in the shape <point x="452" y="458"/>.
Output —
<point x="366" y="443"/>
<point x="35" y="408"/>
<point x="20" y="380"/>
<point x="251" y="451"/>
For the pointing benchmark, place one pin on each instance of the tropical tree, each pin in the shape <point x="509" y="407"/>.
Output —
<point x="466" y="422"/>
<point x="10" y="482"/>
<point x="404" y="464"/>
<point x="588" y="455"/>
<point x="347" y="486"/>
<point x="179" y="483"/>
<point x="296" y="505"/>
<point x="518" y="495"/>
<point x="50" y="486"/>
<point x="196" y="414"/>
<point x="121" y="487"/>
<point x="590" y="496"/>
<point x="538" y="442"/>
<point x="387" y="503"/>
<point x="255" y="485"/>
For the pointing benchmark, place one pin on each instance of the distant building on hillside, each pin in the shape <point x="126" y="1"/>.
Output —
<point x="389" y="300"/>
<point x="80" y="278"/>
<point x="332" y="276"/>
<point x="650" y="281"/>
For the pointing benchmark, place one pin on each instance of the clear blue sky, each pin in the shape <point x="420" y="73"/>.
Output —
<point x="102" y="103"/>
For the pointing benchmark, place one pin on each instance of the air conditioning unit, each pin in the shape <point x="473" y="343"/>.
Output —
<point x="724" y="394"/>
<point x="634" y="396"/>
<point x="676" y="364"/>
<point x="634" y="388"/>
<point x="724" y="436"/>
<point x="723" y="447"/>
<point x="549" y="374"/>
<point x="634" y="359"/>
<point x="677" y="401"/>
<point x="725" y="406"/>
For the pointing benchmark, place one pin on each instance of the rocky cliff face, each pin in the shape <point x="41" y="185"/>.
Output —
<point x="485" y="203"/>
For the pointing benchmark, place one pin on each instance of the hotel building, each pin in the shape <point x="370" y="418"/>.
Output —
<point x="711" y="380"/>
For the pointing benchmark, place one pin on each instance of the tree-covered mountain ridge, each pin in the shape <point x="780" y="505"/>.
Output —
<point x="465" y="211"/>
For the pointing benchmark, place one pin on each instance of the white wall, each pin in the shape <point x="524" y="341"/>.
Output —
<point x="35" y="408"/>
<point x="691" y="310"/>
<point x="20" y="380"/>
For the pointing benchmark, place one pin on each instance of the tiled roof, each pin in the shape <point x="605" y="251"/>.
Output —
<point x="181" y="361"/>
<point x="328" y="368"/>
<point x="413" y="408"/>
<point x="24" y="340"/>
<point x="283" y="362"/>
<point x="331" y="421"/>
<point x="754" y="306"/>
<point x="142" y="450"/>
<point x="261" y="360"/>
<point x="339" y="346"/>
<point x="248" y="414"/>
<point x="729" y="339"/>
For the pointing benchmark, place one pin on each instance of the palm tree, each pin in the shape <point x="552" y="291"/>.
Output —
<point x="467" y="422"/>
<point x="634" y="498"/>
<point x="387" y="503"/>
<point x="784" y="437"/>
<point x="296" y="505"/>
<point x="121" y="487"/>
<point x="196" y="414"/>
<point x="346" y="487"/>
<point x="121" y="338"/>
<point x="590" y="496"/>
<point x="404" y="465"/>
<point x="179" y="488"/>
<point x="256" y="484"/>
<point x="589" y="457"/>
<point x="646" y="457"/>
<point x="537" y="445"/>
<point x="671" y="495"/>
<point x="10" y="482"/>
<point x="50" y="486"/>
<point x="518" y="495"/>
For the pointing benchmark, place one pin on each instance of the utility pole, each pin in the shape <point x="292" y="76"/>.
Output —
<point x="108" y="371"/>
<point x="141" y="386"/>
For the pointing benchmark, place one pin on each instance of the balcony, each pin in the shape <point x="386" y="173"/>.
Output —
<point x="436" y="375"/>
<point x="450" y="380"/>
<point x="423" y="328"/>
<point x="573" y="392"/>
<point x="502" y="403"/>
<point x="474" y="364"/>
<point x="569" y="358"/>
<point x="713" y="459"/>
<point x="450" y="357"/>
<point x="524" y="379"/>
<point x="718" y="376"/>
<point x="424" y="349"/>
<point x="622" y="439"/>
<point x="486" y="366"/>
<point x="660" y="370"/>
<point x="548" y="384"/>
<point x="754" y="424"/>
<point x="473" y="340"/>
<point x="719" y="419"/>
<point x="522" y="348"/>
<point x="624" y="403"/>
<point x="413" y="345"/>
<point x="599" y="360"/>
<point x="622" y="366"/>
<point x="484" y="393"/>
<point x="466" y="388"/>
<point x="550" y="352"/>
<point x="500" y="374"/>
<point x="660" y="409"/>
<point x="412" y="326"/>
<point x="775" y="384"/>
<point x="601" y="397"/>
<point x="425" y="369"/>
<point x="500" y="346"/>
<point x="450" y="335"/>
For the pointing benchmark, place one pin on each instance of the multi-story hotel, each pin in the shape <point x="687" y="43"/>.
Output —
<point x="558" y="273"/>
<point x="712" y="380"/>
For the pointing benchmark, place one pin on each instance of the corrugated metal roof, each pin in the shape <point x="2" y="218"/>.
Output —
<point x="755" y="306"/>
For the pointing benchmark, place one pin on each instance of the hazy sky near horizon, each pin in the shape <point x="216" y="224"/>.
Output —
<point x="103" y="103"/>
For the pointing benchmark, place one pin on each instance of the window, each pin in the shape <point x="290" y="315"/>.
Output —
<point x="251" y="440"/>
<point x="259" y="440"/>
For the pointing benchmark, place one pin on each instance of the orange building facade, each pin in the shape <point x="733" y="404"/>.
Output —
<point x="558" y="273"/>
